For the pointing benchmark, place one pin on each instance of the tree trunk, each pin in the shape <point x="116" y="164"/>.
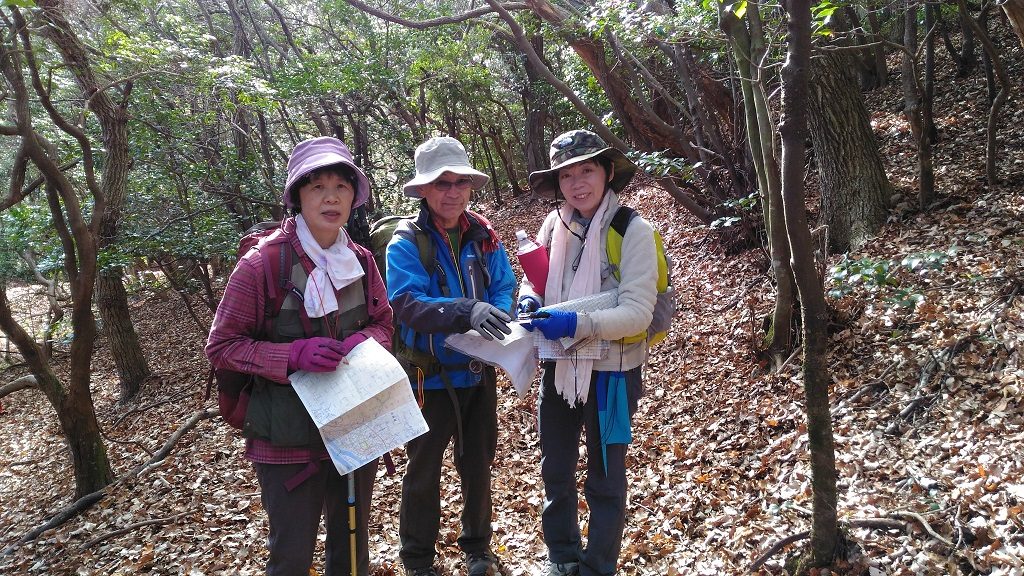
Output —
<point x="760" y="136"/>
<point x="112" y="302"/>
<point x="855" y="191"/>
<point x="72" y="404"/>
<point x="793" y="128"/>
<point x="535" y="103"/>
<point x="113" y="121"/>
<point x="78" y="237"/>
<point x="864" y="59"/>
<point x="912" y="108"/>
<point x="880" y="65"/>
<point x="997" y="102"/>
<point x="482" y="134"/>
<point x="1015" y="14"/>
<point x="968" y="59"/>
<point x="928" y="116"/>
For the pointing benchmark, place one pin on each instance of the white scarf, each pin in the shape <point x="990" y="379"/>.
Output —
<point x="572" y="376"/>
<point x="336" y="267"/>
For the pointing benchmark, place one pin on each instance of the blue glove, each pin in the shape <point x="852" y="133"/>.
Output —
<point x="556" y="324"/>
<point x="527" y="305"/>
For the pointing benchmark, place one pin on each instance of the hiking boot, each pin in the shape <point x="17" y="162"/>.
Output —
<point x="428" y="571"/>
<point x="482" y="563"/>
<point x="567" y="569"/>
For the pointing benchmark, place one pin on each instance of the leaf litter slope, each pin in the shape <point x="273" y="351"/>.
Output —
<point x="718" y="468"/>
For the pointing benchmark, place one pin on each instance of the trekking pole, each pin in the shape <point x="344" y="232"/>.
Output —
<point x="352" y="520"/>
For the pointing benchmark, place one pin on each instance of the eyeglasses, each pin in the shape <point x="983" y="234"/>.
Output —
<point x="446" y="185"/>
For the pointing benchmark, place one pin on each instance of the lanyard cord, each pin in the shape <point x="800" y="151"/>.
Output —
<point x="332" y="331"/>
<point x="582" y="239"/>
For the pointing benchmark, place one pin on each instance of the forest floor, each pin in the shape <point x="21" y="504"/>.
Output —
<point x="927" y="407"/>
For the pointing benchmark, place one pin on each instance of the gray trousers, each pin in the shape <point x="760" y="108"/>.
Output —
<point x="421" y="487"/>
<point x="560" y="429"/>
<point x="295" y="518"/>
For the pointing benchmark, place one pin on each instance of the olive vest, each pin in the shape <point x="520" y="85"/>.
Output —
<point x="275" y="412"/>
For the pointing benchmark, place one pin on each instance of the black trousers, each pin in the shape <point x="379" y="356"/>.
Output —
<point x="421" y="486"/>
<point x="561" y="426"/>
<point x="295" y="518"/>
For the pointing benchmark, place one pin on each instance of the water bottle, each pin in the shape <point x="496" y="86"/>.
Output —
<point x="534" y="260"/>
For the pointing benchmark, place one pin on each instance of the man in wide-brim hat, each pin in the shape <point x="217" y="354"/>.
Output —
<point x="467" y="285"/>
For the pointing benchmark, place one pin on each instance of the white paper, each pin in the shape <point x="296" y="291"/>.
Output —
<point x="515" y="354"/>
<point x="364" y="408"/>
<point x="579" y="348"/>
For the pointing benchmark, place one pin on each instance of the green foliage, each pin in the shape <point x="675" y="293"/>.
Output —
<point x="725" y="222"/>
<point x="738" y="8"/>
<point x="636" y="24"/>
<point x="866" y="272"/>
<point x="659" y="164"/>
<point x="10" y="265"/>
<point x="213" y="117"/>
<point x="821" y="17"/>
<point x="747" y="203"/>
<point x="887" y="278"/>
<point x="28" y="227"/>
<point x="737" y="209"/>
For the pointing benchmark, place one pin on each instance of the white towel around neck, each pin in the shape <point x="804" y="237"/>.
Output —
<point x="572" y="376"/>
<point x="336" y="267"/>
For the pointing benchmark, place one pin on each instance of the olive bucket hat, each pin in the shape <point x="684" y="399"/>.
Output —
<point x="576" y="146"/>
<point x="439" y="155"/>
<point x="316" y="153"/>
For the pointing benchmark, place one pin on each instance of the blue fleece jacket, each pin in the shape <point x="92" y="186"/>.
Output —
<point x="431" y="305"/>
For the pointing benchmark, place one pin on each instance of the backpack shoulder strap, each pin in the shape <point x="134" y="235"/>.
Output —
<point x="277" y="253"/>
<point x="408" y="229"/>
<point x="613" y="245"/>
<point x="623" y="216"/>
<point x="277" y="265"/>
<point x="361" y="255"/>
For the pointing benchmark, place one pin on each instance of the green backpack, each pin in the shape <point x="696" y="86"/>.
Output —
<point x="381" y="232"/>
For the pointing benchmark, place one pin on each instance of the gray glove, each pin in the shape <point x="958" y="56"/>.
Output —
<point x="490" y="322"/>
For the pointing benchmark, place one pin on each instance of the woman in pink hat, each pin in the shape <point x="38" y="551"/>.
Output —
<point x="335" y="300"/>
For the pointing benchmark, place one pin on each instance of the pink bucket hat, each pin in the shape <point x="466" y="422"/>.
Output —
<point x="315" y="153"/>
<point x="439" y="155"/>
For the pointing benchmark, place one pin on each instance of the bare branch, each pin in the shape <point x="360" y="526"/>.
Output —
<point x="83" y="503"/>
<point x="524" y="44"/>
<point x="434" y="22"/>
<point x="17" y="384"/>
<point x="44" y="98"/>
<point x="132" y="527"/>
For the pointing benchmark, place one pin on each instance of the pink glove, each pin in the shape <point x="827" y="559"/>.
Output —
<point x="351" y="342"/>
<point x="317" y="354"/>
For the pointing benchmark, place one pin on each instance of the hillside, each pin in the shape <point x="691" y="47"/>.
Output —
<point x="927" y="408"/>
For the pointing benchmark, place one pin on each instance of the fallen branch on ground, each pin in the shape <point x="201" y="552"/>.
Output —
<point x="130" y="527"/>
<point x="28" y="381"/>
<point x="863" y="389"/>
<point x="140" y="409"/>
<point x="776" y="547"/>
<point x="943" y="361"/>
<point x="83" y="503"/>
<point x="895" y="521"/>
<point x="945" y="358"/>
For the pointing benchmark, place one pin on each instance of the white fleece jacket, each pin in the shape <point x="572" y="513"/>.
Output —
<point x="637" y="290"/>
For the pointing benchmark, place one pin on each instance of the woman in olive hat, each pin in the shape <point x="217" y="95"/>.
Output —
<point x="578" y="393"/>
